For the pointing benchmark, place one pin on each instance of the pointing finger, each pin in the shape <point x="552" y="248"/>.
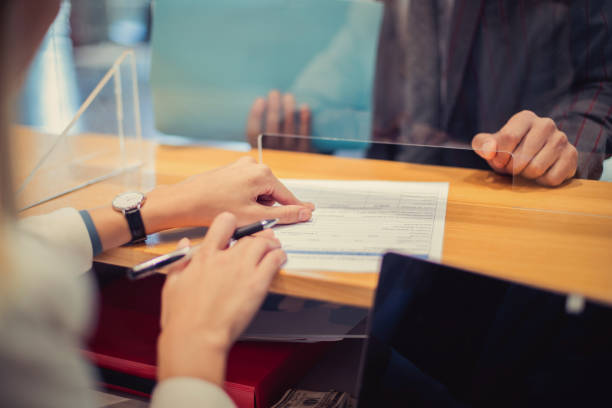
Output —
<point x="220" y="231"/>
<point x="485" y="145"/>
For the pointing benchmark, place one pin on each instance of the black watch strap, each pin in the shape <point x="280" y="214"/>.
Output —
<point x="137" y="228"/>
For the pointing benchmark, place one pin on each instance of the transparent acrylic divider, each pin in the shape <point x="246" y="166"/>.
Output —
<point x="298" y="54"/>
<point x="342" y="158"/>
<point x="500" y="224"/>
<point x="102" y="141"/>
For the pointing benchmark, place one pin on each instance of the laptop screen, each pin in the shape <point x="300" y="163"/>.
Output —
<point x="441" y="336"/>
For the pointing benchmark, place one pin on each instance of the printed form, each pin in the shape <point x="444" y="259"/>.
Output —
<point x="356" y="222"/>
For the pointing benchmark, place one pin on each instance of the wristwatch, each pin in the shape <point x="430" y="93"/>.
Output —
<point x="129" y="204"/>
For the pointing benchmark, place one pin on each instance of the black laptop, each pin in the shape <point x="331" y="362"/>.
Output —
<point x="444" y="337"/>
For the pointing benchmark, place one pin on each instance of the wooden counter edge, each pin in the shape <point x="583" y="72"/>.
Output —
<point x="334" y="287"/>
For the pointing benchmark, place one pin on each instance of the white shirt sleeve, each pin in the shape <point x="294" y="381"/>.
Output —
<point x="64" y="228"/>
<point x="181" y="392"/>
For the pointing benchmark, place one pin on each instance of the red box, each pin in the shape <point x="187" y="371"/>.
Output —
<point x="123" y="346"/>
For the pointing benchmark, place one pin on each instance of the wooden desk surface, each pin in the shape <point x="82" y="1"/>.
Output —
<point x="491" y="225"/>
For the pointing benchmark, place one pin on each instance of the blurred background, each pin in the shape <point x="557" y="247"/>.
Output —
<point x="82" y="44"/>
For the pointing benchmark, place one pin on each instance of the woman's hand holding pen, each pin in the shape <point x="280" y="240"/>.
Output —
<point x="210" y="301"/>
<point x="245" y="188"/>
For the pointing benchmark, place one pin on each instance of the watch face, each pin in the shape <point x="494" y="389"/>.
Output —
<point x="128" y="201"/>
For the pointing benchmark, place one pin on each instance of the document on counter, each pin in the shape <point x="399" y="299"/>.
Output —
<point x="356" y="222"/>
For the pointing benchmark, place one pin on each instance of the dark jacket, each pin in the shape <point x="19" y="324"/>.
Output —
<point x="553" y="57"/>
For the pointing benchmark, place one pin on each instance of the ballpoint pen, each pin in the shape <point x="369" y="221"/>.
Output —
<point x="156" y="264"/>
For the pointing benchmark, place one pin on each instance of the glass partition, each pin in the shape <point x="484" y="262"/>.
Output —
<point x="402" y="72"/>
<point x="343" y="159"/>
<point x="233" y="63"/>
<point x="103" y="140"/>
<point x="513" y="178"/>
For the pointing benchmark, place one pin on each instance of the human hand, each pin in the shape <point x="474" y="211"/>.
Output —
<point x="280" y="118"/>
<point x="209" y="302"/>
<point x="529" y="146"/>
<point x="245" y="188"/>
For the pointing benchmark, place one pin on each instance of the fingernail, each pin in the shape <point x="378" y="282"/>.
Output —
<point x="304" y="214"/>
<point x="488" y="147"/>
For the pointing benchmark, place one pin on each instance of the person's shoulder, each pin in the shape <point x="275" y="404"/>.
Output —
<point x="43" y="315"/>
<point x="39" y="283"/>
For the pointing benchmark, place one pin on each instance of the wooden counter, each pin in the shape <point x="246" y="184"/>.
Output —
<point x="559" y="238"/>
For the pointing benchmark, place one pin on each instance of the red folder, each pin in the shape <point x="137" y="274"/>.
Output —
<point x="123" y="346"/>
